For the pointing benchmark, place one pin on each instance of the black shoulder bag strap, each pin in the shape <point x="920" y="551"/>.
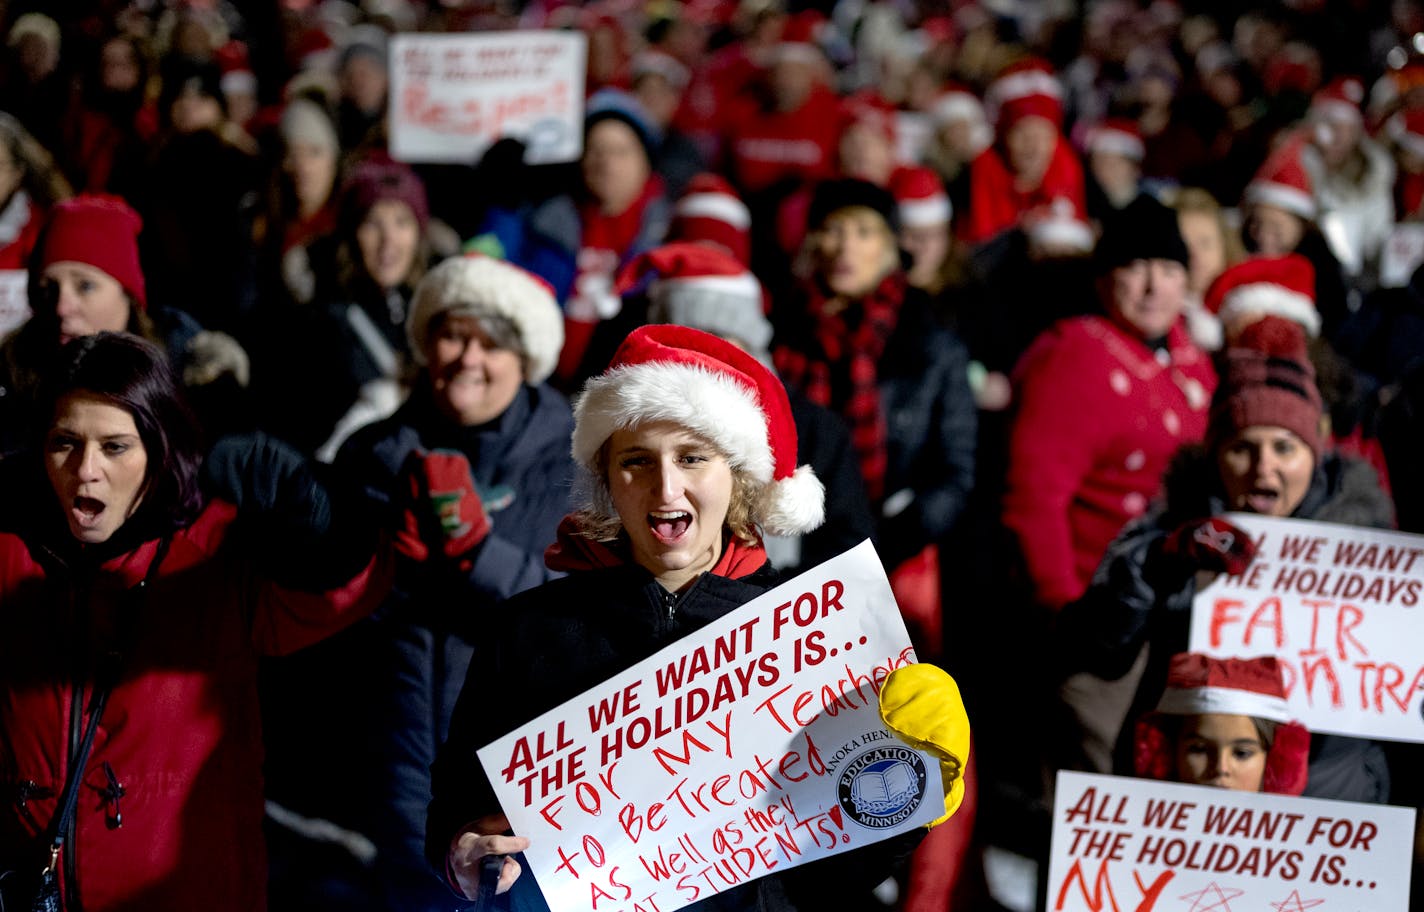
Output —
<point x="47" y="893"/>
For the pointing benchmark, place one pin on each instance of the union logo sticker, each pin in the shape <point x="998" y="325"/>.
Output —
<point x="881" y="787"/>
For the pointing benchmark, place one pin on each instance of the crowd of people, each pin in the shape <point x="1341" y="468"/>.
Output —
<point x="303" y="448"/>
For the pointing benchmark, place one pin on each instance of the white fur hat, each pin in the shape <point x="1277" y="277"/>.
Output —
<point x="477" y="285"/>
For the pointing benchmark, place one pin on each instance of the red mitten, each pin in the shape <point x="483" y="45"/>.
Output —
<point x="444" y="514"/>
<point x="1211" y="544"/>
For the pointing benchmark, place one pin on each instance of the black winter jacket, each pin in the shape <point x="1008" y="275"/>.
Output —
<point x="388" y="687"/>
<point x="931" y="425"/>
<point x="571" y="634"/>
<point x="439" y="620"/>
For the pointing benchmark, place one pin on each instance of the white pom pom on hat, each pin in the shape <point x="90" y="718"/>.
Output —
<point x="719" y="392"/>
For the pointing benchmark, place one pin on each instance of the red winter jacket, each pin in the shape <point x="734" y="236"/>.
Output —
<point x="763" y="147"/>
<point x="181" y="732"/>
<point x="1099" y="417"/>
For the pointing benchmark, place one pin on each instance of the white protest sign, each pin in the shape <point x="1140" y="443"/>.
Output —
<point x="1133" y="845"/>
<point x="14" y="300"/>
<point x="749" y="747"/>
<point x="452" y="96"/>
<point x="1340" y="607"/>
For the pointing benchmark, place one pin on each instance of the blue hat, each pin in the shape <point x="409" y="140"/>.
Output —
<point x="615" y="104"/>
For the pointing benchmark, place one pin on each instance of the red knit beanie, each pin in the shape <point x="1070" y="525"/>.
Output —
<point x="101" y="231"/>
<point x="376" y="180"/>
<point x="1268" y="381"/>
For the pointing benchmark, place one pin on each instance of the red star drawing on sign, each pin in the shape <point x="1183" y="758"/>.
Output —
<point x="1293" y="903"/>
<point x="1212" y="898"/>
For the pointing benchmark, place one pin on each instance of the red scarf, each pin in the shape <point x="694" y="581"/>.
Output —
<point x="573" y="551"/>
<point x="995" y="204"/>
<point x="606" y="242"/>
<point x="841" y="373"/>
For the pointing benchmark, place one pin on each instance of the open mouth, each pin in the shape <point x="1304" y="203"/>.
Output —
<point x="669" y="527"/>
<point x="1262" y="500"/>
<point x="87" y="510"/>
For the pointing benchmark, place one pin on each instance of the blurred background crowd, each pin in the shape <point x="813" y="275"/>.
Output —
<point x="1012" y="259"/>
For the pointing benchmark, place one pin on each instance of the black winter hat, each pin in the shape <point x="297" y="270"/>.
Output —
<point x="616" y="104"/>
<point x="1142" y="230"/>
<point x="834" y="195"/>
<point x="184" y="75"/>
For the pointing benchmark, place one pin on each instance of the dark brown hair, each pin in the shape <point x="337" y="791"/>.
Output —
<point x="133" y="374"/>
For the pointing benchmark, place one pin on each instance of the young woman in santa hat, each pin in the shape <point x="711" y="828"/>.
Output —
<point x="1280" y="210"/>
<point x="1265" y="452"/>
<point x="687" y="454"/>
<point x="1223" y="723"/>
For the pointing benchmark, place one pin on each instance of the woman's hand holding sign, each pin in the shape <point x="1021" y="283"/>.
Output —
<point x="473" y="850"/>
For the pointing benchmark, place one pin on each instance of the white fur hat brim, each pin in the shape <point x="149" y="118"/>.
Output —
<point x="712" y="405"/>
<point x="480" y="285"/>
<point x="1268" y="298"/>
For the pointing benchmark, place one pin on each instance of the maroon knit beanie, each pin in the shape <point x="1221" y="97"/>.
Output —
<point x="101" y="231"/>
<point x="375" y="180"/>
<point x="1268" y="380"/>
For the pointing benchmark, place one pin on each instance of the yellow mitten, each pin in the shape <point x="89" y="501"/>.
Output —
<point x="921" y="705"/>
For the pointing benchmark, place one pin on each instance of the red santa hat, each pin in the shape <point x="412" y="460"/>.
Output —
<point x="1198" y="684"/>
<point x="1278" y="286"/>
<point x="717" y="391"/>
<point x="957" y="103"/>
<point x="237" y="75"/>
<point x="1117" y="136"/>
<point x="1025" y="89"/>
<point x="479" y="286"/>
<point x="869" y="109"/>
<point x="710" y="211"/>
<point x="1407" y="130"/>
<point x="1293" y="68"/>
<point x="800" y="39"/>
<point x="1284" y="183"/>
<point x="693" y="284"/>
<point x="1059" y="226"/>
<point x="314" y="48"/>
<point x="919" y="195"/>
<point x="1339" y="99"/>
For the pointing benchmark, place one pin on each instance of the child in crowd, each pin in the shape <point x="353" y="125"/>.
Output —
<point x="1224" y="723"/>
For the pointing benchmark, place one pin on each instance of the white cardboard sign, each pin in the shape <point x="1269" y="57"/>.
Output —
<point x="1340" y="607"/>
<point x="749" y="747"/>
<point x="452" y="96"/>
<point x="1134" y="845"/>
